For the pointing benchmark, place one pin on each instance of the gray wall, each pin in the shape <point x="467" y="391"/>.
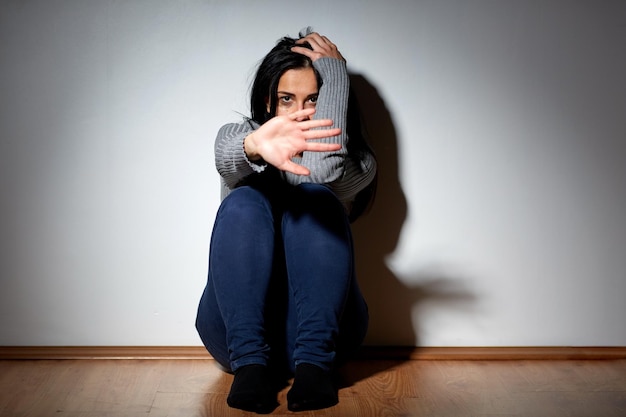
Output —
<point x="500" y="128"/>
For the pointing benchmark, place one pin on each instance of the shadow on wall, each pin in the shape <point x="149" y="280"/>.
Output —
<point x="391" y="302"/>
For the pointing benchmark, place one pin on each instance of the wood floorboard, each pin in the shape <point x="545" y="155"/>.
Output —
<point x="377" y="388"/>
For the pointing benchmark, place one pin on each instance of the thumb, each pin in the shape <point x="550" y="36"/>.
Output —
<point x="294" y="168"/>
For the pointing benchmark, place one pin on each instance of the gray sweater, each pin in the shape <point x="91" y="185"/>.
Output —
<point x="345" y="174"/>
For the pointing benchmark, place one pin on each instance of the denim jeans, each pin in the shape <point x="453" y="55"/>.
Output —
<point x="281" y="286"/>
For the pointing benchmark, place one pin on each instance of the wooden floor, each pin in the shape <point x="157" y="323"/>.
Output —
<point x="120" y="388"/>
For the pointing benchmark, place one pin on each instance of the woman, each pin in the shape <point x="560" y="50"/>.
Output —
<point x="281" y="297"/>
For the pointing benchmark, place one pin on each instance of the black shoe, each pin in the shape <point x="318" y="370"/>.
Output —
<point x="253" y="390"/>
<point x="312" y="389"/>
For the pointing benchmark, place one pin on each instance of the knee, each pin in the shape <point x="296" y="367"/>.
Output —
<point x="319" y="204"/>
<point x="244" y="203"/>
<point x="317" y="195"/>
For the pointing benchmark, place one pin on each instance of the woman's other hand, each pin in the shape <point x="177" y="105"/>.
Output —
<point x="284" y="137"/>
<point x="322" y="47"/>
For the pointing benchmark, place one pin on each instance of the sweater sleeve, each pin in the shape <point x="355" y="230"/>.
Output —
<point x="332" y="103"/>
<point x="344" y="173"/>
<point x="230" y="158"/>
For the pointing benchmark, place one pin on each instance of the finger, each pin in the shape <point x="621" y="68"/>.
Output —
<point x="316" y="42"/>
<point x="302" y="113"/>
<point x="321" y="134"/>
<point x="322" y="147"/>
<point x="312" y="35"/>
<point x="294" y="168"/>
<point x="312" y="55"/>
<point x="316" y="38"/>
<point x="313" y="123"/>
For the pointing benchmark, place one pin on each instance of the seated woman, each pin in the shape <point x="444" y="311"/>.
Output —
<point x="282" y="298"/>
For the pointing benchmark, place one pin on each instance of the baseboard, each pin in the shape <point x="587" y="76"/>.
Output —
<point x="367" y="352"/>
<point x="103" y="352"/>
<point x="489" y="353"/>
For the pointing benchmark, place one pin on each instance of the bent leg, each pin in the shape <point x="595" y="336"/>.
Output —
<point x="230" y="318"/>
<point x="319" y="259"/>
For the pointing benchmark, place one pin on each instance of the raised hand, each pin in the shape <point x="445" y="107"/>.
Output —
<point x="282" y="138"/>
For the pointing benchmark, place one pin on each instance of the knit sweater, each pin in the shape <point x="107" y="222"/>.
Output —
<point x="344" y="173"/>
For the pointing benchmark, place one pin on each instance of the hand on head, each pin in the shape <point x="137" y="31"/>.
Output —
<point x="321" y="45"/>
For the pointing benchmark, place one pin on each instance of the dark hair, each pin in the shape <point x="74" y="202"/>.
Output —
<point x="279" y="60"/>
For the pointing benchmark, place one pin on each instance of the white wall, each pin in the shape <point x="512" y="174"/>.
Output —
<point x="500" y="129"/>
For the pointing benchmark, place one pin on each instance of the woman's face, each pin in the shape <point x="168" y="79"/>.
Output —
<point x="297" y="90"/>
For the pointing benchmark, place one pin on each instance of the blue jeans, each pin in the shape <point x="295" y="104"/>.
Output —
<point x="281" y="286"/>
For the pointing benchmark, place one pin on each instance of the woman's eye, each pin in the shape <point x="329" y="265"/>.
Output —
<point x="285" y="99"/>
<point x="313" y="99"/>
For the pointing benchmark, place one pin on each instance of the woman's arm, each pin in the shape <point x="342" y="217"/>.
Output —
<point x="231" y="160"/>
<point x="246" y="148"/>
<point x="347" y="174"/>
<point x="332" y="104"/>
